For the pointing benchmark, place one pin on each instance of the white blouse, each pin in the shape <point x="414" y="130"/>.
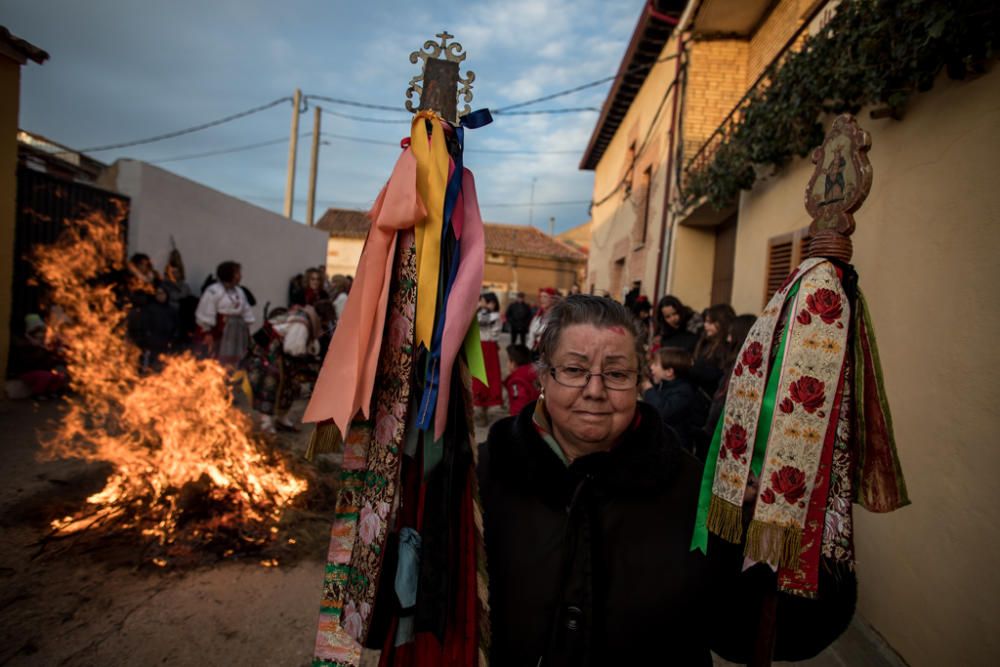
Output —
<point x="217" y="300"/>
<point x="489" y="325"/>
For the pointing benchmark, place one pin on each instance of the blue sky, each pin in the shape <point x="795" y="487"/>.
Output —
<point x="136" y="68"/>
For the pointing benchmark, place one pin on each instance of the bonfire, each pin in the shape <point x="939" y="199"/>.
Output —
<point x="187" y="469"/>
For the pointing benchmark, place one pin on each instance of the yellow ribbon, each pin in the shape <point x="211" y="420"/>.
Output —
<point x="432" y="182"/>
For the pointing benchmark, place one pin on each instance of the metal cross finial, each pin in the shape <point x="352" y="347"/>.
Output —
<point x="439" y="84"/>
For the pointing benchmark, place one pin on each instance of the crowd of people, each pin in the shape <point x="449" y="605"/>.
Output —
<point x="279" y="360"/>
<point x="687" y="357"/>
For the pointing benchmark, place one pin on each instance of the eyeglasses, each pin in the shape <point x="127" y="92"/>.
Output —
<point x="576" y="377"/>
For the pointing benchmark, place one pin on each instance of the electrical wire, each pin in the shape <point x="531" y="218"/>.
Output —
<point x="188" y="130"/>
<point x="351" y="103"/>
<point x="364" y="119"/>
<point x="544" y="111"/>
<point x="584" y="86"/>
<point x="225" y="151"/>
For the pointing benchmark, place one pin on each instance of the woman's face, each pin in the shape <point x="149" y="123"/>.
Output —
<point x="671" y="316"/>
<point x="544" y="300"/>
<point x="591" y="418"/>
<point x="711" y="328"/>
<point x="314" y="280"/>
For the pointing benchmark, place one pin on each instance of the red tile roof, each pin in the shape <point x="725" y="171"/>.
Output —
<point x="527" y="242"/>
<point x="500" y="239"/>
<point x="345" y="223"/>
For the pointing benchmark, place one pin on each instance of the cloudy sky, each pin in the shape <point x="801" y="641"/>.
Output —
<point x="131" y="69"/>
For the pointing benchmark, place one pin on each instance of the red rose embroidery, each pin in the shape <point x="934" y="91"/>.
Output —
<point x="789" y="482"/>
<point x="809" y="392"/>
<point x="753" y="357"/>
<point x="767" y="496"/>
<point x="738" y="371"/>
<point x="825" y="303"/>
<point x="735" y="440"/>
<point x="787" y="406"/>
<point x="804" y="317"/>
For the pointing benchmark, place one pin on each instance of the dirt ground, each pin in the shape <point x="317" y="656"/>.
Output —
<point x="99" y="605"/>
<point x="103" y="604"/>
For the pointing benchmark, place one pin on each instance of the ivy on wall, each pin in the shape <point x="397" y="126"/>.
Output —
<point x="870" y="52"/>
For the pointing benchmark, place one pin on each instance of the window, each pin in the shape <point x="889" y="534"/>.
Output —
<point x="784" y="253"/>
<point x="647" y="190"/>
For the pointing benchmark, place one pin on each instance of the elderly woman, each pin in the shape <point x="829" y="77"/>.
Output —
<point x="588" y="514"/>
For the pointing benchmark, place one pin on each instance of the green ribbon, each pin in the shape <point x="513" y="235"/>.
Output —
<point x="474" y="353"/>
<point x="699" y="540"/>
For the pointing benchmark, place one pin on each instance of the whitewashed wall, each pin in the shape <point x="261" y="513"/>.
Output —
<point x="210" y="227"/>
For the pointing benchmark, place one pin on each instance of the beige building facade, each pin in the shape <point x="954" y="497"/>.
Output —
<point x="924" y="250"/>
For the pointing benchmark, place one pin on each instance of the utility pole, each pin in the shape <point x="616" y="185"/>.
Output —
<point x="314" y="163"/>
<point x="293" y="147"/>
<point x="531" y="203"/>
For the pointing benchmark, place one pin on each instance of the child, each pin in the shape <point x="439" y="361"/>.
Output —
<point x="522" y="383"/>
<point x="672" y="394"/>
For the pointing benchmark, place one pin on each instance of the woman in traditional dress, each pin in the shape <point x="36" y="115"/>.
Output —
<point x="285" y="337"/>
<point x="486" y="396"/>
<point x="589" y="508"/>
<point x="224" y="316"/>
<point x="547" y="297"/>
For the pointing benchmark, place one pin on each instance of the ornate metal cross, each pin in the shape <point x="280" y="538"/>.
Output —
<point x="440" y="85"/>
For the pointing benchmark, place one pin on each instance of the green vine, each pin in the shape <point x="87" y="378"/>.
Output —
<point x="871" y="52"/>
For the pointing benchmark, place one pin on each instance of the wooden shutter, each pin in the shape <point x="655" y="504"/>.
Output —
<point x="784" y="253"/>
<point x="779" y="263"/>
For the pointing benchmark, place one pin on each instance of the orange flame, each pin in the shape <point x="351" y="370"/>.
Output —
<point x="161" y="431"/>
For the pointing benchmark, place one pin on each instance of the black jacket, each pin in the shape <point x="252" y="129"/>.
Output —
<point x="591" y="564"/>
<point x="518" y="316"/>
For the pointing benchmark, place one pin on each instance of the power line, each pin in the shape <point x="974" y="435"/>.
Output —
<point x="225" y="151"/>
<point x="351" y="103"/>
<point x="188" y="130"/>
<point x="365" y="119"/>
<point x="545" y="111"/>
<point x="491" y="151"/>
<point x="576" y="89"/>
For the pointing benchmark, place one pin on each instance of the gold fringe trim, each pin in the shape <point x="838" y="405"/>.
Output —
<point x="774" y="544"/>
<point x="725" y="519"/>
<point x="325" y="439"/>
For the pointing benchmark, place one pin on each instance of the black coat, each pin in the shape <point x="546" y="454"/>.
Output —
<point x="591" y="564"/>
<point x="518" y="316"/>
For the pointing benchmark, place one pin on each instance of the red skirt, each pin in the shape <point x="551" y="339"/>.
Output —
<point x="485" y="396"/>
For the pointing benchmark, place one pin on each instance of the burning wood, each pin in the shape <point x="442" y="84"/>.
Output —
<point x="186" y="467"/>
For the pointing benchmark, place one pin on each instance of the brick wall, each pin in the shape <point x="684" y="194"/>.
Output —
<point x="717" y="73"/>
<point x="777" y="28"/>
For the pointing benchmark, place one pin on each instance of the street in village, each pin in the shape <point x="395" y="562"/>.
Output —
<point x="240" y="358"/>
<point x="101" y="603"/>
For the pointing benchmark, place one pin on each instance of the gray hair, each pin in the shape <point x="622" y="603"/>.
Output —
<point x="598" y="311"/>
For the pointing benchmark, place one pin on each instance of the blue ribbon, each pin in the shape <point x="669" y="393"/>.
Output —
<point x="428" y="402"/>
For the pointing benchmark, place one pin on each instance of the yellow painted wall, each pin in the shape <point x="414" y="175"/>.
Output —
<point x="926" y="251"/>
<point x="343" y="255"/>
<point x="10" y="87"/>
<point x="691" y="262"/>
<point x="614" y="222"/>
